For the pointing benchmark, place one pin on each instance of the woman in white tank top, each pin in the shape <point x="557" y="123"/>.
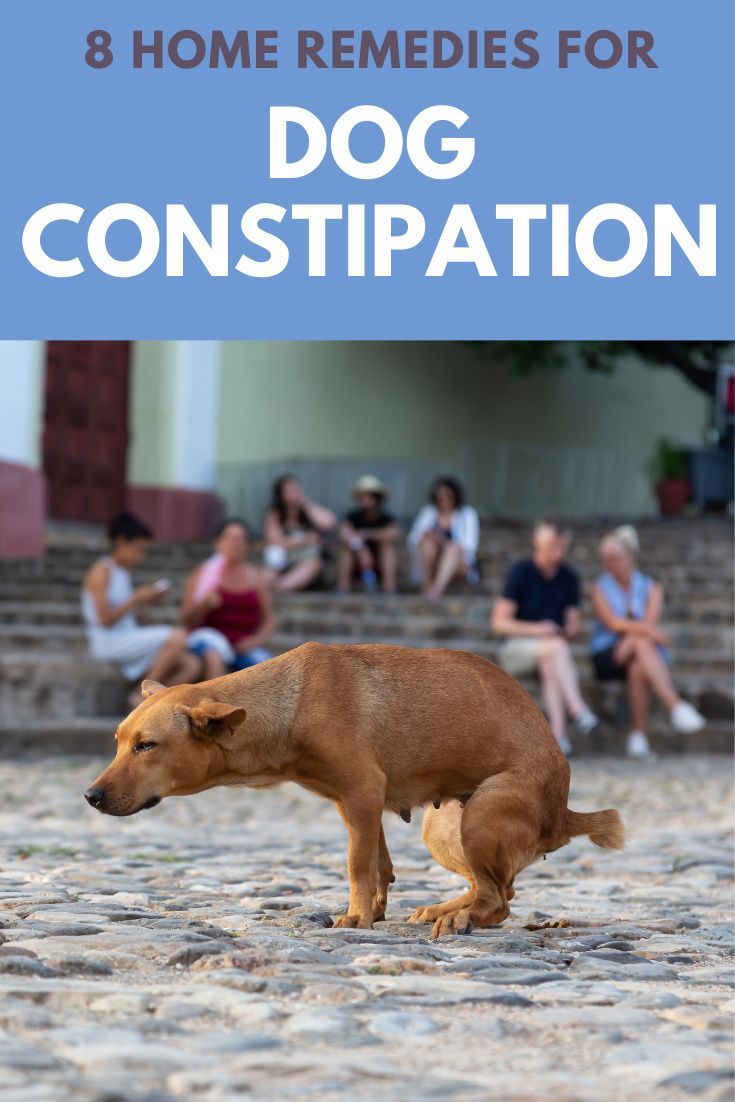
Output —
<point x="109" y="603"/>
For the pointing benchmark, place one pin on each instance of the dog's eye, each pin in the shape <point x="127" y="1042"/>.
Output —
<point x="141" y="747"/>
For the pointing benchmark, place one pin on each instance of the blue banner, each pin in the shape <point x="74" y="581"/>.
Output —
<point x="528" y="170"/>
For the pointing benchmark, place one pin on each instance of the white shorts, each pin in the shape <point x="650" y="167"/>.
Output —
<point x="519" y="655"/>
<point x="134" y="650"/>
<point x="203" y="639"/>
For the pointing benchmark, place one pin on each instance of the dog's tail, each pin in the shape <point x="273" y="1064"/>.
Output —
<point x="603" y="828"/>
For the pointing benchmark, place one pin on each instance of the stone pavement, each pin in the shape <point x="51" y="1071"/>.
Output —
<point x="186" y="953"/>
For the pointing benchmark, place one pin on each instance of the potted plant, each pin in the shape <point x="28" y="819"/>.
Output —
<point x="670" y="471"/>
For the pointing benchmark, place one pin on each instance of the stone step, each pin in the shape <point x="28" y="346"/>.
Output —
<point x="48" y="679"/>
<point x="583" y="557"/>
<point x="656" y="535"/>
<point x="62" y="685"/>
<point x="21" y="571"/>
<point x="694" y="645"/>
<point x="713" y="663"/>
<point x="470" y="607"/>
<point x="666" y="551"/>
<point x="61" y="737"/>
<point x="47" y="685"/>
<point x="312" y="609"/>
<point x="709" y="596"/>
<point x="694" y="637"/>
<point x="58" y="736"/>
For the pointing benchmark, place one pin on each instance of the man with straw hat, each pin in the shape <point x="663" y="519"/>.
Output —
<point x="367" y="540"/>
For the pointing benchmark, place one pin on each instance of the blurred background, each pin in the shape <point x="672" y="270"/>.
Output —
<point x="177" y="431"/>
<point x="182" y="433"/>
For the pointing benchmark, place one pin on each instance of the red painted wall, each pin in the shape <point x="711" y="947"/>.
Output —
<point x="174" y="513"/>
<point x="22" y="511"/>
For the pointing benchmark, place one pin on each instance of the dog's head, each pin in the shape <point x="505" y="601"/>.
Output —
<point x="173" y="744"/>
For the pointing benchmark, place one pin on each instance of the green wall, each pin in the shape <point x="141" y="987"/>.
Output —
<point x="391" y="400"/>
<point x="427" y="405"/>
<point x="563" y="441"/>
<point x="150" y="454"/>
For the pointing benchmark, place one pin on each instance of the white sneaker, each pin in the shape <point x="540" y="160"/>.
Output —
<point x="686" y="720"/>
<point x="586" y="722"/>
<point x="566" y="747"/>
<point x="637" y="745"/>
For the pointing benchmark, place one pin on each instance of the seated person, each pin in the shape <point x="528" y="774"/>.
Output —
<point x="228" y="602"/>
<point x="444" y="539"/>
<point x="109" y="605"/>
<point x="368" y="537"/>
<point x="539" y="615"/>
<point x="628" y="643"/>
<point x="294" y="532"/>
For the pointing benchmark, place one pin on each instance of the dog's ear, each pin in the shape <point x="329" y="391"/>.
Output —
<point x="211" y="718"/>
<point x="148" y="688"/>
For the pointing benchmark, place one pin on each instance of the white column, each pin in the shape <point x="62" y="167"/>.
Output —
<point x="196" y="385"/>
<point x="21" y="401"/>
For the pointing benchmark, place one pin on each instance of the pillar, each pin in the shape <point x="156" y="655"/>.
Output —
<point x="175" y="413"/>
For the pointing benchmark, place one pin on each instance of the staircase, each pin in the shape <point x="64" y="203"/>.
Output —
<point x="55" y="699"/>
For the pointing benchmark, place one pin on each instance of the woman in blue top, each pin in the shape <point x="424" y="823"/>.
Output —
<point x="628" y="643"/>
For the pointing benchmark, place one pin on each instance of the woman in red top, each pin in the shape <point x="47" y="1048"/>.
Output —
<point x="227" y="601"/>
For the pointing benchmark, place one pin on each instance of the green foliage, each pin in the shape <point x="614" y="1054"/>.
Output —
<point x="697" y="361"/>
<point x="668" y="461"/>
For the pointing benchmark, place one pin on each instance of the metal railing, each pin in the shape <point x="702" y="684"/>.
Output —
<point x="503" y="479"/>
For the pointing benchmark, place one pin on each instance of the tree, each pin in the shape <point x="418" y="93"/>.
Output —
<point x="697" y="361"/>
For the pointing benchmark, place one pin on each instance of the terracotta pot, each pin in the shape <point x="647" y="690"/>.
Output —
<point x="673" y="495"/>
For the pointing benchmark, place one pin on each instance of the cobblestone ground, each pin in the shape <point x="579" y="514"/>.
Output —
<point x="186" y="953"/>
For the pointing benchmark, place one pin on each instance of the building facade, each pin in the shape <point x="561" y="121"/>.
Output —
<point x="178" y="430"/>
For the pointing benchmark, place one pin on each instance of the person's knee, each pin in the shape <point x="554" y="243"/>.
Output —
<point x="192" y="665"/>
<point x="642" y="647"/>
<point x="633" y="667"/>
<point x="452" y="554"/>
<point x="545" y="664"/>
<point x="177" y="639"/>
<point x="551" y="647"/>
<point x="213" y="662"/>
<point x="636" y="672"/>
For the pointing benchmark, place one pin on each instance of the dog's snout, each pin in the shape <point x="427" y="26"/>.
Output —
<point x="95" y="796"/>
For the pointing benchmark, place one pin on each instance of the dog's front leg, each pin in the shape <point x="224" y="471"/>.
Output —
<point x="362" y="817"/>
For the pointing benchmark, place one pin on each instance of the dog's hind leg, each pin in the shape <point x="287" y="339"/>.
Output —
<point x="499" y="836"/>
<point x="442" y="838"/>
<point x="385" y="878"/>
<point x="438" y="910"/>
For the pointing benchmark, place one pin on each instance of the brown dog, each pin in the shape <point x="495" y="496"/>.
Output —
<point x="373" y="728"/>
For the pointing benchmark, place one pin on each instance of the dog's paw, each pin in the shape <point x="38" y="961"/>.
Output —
<point x="352" y="922"/>
<point x="458" y="922"/>
<point x="424" y="914"/>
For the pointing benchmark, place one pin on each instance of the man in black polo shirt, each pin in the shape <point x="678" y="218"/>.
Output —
<point x="538" y="615"/>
